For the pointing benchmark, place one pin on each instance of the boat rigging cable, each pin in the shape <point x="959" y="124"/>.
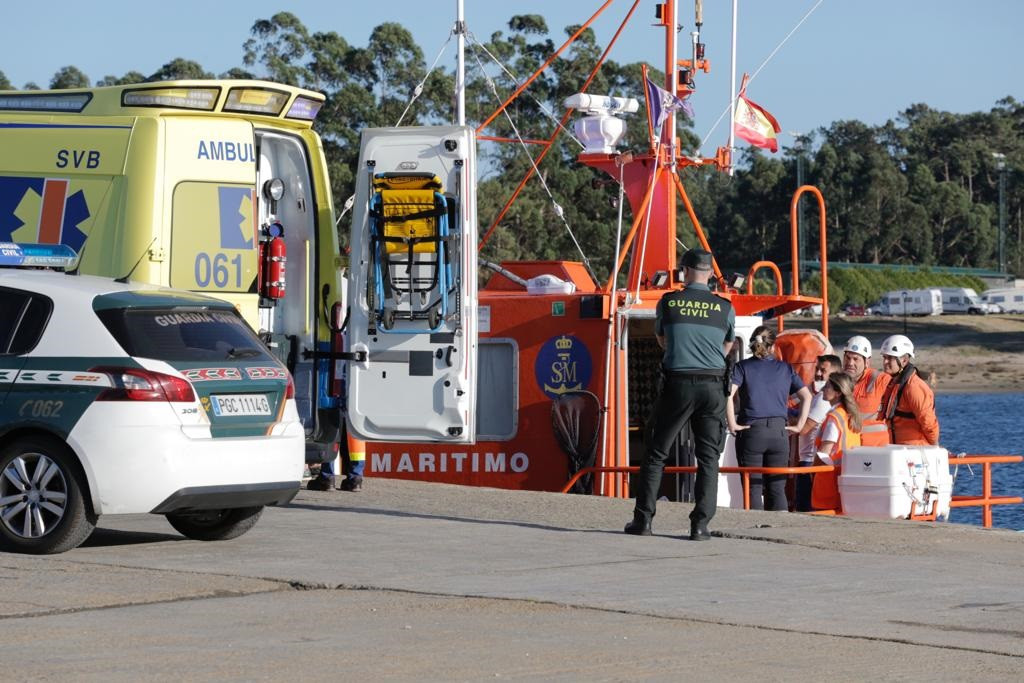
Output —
<point x="547" y="112"/>
<point x="732" y="102"/>
<point x="559" y="211"/>
<point x="418" y="90"/>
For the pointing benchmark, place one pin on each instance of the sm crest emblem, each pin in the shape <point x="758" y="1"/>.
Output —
<point x="563" y="364"/>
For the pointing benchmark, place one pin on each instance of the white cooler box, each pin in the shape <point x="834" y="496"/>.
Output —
<point x="890" y="482"/>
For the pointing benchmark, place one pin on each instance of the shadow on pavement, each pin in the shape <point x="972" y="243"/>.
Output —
<point x="449" y="518"/>
<point x="102" y="538"/>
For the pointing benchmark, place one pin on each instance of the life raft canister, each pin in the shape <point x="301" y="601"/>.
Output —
<point x="801" y="348"/>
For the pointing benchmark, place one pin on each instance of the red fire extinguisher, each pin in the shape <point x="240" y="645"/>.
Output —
<point x="273" y="257"/>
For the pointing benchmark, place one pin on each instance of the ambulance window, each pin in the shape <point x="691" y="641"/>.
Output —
<point x="497" y="396"/>
<point x="23" y="317"/>
<point x="175" y="334"/>
<point x="213" y="237"/>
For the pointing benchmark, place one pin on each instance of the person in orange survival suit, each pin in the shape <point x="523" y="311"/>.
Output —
<point x="869" y="387"/>
<point x="908" y="406"/>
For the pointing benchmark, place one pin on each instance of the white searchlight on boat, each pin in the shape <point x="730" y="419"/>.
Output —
<point x="600" y="129"/>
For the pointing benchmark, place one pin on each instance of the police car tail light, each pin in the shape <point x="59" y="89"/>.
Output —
<point x="136" y="384"/>
<point x="289" y="391"/>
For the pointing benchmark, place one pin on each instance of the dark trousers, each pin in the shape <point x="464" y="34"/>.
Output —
<point x="804" y="482"/>
<point x="765" y="444"/>
<point x="700" y="402"/>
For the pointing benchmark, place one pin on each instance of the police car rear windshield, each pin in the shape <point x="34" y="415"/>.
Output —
<point x="176" y="334"/>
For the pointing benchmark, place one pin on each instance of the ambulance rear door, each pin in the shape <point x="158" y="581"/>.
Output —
<point x="413" y="286"/>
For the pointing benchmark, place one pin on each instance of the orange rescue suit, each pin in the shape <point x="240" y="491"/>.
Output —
<point x="869" y="392"/>
<point x="825" y="490"/>
<point x="912" y="420"/>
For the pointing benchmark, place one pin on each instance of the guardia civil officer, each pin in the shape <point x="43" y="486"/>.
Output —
<point x="696" y="328"/>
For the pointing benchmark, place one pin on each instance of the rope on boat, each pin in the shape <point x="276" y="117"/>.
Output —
<point x="547" y="112"/>
<point x="418" y="90"/>
<point x="767" y="59"/>
<point x="559" y="211"/>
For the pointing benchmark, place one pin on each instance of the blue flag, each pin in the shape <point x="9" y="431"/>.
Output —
<point x="662" y="102"/>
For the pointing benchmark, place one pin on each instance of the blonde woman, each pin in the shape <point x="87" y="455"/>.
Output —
<point x="764" y="385"/>
<point x="839" y="432"/>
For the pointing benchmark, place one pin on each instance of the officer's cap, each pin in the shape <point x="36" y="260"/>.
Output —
<point x="698" y="259"/>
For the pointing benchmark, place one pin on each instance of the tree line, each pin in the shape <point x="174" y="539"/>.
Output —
<point x="921" y="189"/>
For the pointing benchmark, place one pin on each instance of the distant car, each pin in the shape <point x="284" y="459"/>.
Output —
<point x="126" y="398"/>
<point x="854" y="310"/>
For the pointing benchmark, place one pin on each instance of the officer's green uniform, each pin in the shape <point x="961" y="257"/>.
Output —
<point x="696" y="324"/>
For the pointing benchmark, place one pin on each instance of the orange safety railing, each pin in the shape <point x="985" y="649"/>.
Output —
<point x="794" y="239"/>
<point x="985" y="501"/>
<point x="778" y="282"/>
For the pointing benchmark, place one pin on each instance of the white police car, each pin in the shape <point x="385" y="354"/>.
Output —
<point x="125" y="398"/>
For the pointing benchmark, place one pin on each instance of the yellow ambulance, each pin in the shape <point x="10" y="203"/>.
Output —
<point x="214" y="186"/>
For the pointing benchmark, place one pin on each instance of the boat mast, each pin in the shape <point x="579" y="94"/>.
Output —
<point x="732" y="92"/>
<point x="460" y="63"/>
<point x="668" y="130"/>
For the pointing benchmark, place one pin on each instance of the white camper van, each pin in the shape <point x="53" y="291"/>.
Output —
<point x="1010" y="300"/>
<point x="910" y="302"/>
<point x="964" y="300"/>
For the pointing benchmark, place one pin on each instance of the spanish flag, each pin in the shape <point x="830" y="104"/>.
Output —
<point x="753" y="123"/>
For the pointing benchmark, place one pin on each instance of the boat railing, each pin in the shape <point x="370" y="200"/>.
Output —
<point x="794" y="242"/>
<point x="985" y="501"/>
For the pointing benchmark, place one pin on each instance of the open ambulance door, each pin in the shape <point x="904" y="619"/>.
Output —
<point x="413" y="286"/>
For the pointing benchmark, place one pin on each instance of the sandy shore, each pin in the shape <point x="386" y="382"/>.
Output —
<point x="967" y="353"/>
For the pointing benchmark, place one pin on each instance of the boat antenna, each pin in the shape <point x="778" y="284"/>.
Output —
<point x="124" y="278"/>
<point x="732" y="95"/>
<point x="731" y="107"/>
<point x="460" y="62"/>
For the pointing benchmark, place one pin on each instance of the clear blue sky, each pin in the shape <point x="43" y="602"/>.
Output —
<point x="862" y="59"/>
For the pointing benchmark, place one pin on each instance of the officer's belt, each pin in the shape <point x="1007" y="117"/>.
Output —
<point x="693" y="376"/>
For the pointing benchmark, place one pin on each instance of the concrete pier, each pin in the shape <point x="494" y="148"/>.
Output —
<point x="416" y="581"/>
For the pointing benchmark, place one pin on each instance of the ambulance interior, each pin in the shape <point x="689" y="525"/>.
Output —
<point x="287" y="206"/>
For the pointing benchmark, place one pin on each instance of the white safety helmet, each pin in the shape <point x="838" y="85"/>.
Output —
<point x="859" y="345"/>
<point x="898" y="345"/>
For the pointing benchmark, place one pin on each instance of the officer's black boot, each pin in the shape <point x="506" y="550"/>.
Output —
<point x="699" y="531"/>
<point x="640" y="526"/>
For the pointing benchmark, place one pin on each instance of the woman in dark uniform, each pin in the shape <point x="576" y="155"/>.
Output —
<point x="762" y="436"/>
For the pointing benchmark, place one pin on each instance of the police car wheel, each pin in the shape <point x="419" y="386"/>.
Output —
<point x="42" y="507"/>
<point x="215" y="525"/>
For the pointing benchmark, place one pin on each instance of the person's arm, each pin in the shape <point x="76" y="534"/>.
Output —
<point x="922" y="405"/>
<point x="805" y="407"/>
<point x="661" y="340"/>
<point x="824" y="454"/>
<point x="809" y="426"/>
<point x="730" y="412"/>
<point x="829" y="438"/>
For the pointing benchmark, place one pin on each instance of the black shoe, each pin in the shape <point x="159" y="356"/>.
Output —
<point x="699" y="531"/>
<point x="320" y="483"/>
<point x="639" y="526"/>
<point x="352" y="483"/>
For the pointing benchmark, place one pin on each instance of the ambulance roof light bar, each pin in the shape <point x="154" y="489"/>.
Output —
<point x="202" y="99"/>
<point x="248" y="100"/>
<point x="21" y="255"/>
<point x="305" y="108"/>
<point x="70" y="102"/>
